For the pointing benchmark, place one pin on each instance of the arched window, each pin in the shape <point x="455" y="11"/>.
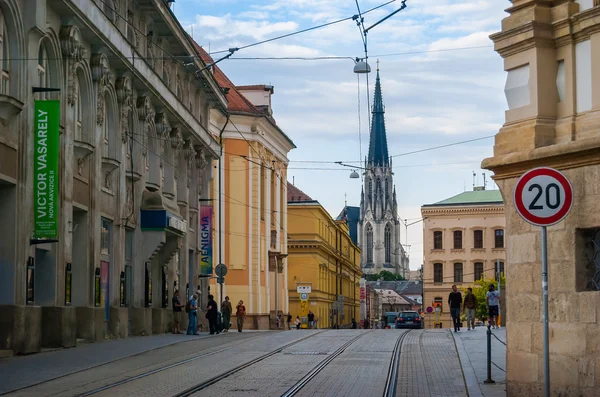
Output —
<point x="78" y="111"/>
<point x="105" y="129"/>
<point x="43" y="75"/>
<point x="388" y="243"/>
<point x="369" y="243"/>
<point x="5" y="56"/>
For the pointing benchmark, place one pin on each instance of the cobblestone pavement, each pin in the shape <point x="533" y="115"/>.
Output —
<point x="429" y="366"/>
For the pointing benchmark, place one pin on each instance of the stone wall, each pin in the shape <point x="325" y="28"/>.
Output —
<point x="573" y="312"/>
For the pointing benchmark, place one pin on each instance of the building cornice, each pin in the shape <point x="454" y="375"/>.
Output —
<point x="432" y="211"/>
<point x="533" y="34"/>
<point x="563" y="156"/>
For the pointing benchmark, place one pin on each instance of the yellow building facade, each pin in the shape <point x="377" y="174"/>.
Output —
<point x="463" y="241"/>
<point x="248" y="186"/>
<point x="321" y="255"/>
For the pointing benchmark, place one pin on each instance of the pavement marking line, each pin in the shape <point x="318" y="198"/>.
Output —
<point x="315" y="371"/>
<point x="469" y="377"/>
<point x="154" y="371"/>
<point x="218" y="378"/>
<point x="392" y="377"/>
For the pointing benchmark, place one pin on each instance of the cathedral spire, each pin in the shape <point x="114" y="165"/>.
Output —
<point x="378" y="150"/>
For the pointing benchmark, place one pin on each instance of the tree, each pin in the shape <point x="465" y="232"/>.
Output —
<point x="384" y="275"/>
<point x="480" y="289"/>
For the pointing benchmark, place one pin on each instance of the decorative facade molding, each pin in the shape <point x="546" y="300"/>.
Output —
<point x="146" y="116"/>
<point x="190" y="156"/>
<point x="101" y="75"/>
<point x="124" y="90"/>
<point x="72" y="48"/>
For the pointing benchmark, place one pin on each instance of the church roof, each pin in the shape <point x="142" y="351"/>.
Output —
<point x="351" y="215"/>
<point x="378" y="149"/>
<point x="478" y="197"/>
<point x="294" y="194"/>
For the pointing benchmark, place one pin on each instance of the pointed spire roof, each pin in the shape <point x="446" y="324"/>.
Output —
<point x="378" y="150"/>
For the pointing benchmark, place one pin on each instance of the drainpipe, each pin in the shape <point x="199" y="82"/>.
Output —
<point x="222" y="298"/>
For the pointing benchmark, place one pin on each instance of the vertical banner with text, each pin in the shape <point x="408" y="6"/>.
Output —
<point x="45" y="171"/>
<point x="206" y="240"/>
<point x="363" y="301"/>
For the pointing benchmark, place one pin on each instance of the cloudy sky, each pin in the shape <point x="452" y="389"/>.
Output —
<point x="442" y="83"/>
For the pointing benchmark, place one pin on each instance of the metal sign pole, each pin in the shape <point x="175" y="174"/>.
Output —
<point x="545" y="311"/>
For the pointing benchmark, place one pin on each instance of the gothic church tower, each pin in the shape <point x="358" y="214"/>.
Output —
<point x="379" y="226"/>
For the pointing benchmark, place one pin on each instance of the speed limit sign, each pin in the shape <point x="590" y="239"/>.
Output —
<point x="543" y="196"/>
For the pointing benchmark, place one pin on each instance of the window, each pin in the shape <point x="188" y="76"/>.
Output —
<point x="478" y="271"/>
<point x="496" y="269"/>
<point x="437" y="241"/>
<point x="438" y="273"/>
<point x="5" y="56"/>
<point x="370" y="192"/>
<point x="458" y="243"/>
<point x="388" y="243"/>
<point x="478" y="239"/>
<point x="263" y="191"/>
<point x="78" y="111"/>
<point x="499" y="238"/>
<point x="458" y="273"/>
<point x="42" y="69"/>
<point x="387" y="192"/>
<point x="369" y="243"/>
<point x="105" y="237"/>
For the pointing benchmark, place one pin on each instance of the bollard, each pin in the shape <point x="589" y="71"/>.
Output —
<point x="489" y="356"/>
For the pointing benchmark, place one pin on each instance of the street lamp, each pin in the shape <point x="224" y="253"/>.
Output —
<point x="361" y="66"/>
<point x="354" y="174"/>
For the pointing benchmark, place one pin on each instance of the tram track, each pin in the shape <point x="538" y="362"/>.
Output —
<point x="391" y="380"/>
<point x="201" y="386"/>
<point x="164" y="368"/>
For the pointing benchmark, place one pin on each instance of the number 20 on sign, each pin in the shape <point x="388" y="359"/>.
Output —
<point x="544" y="197"/>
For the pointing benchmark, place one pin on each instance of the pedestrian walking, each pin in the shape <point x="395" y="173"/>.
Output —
<point x="470" y="307"/>
<point x="289" y="321"/>
<point x="240" y="313"/>
<point x="279" y="321"/>
<point x="211" y="315"/>
<point x="311" y="319"/>
<point x="177" y="308"/>
<point x="298" y="322"/>
<point x="192" y="310"/>
<point x="455" y="300"/>
<point x="226" y="311"/>
<point x="353" y="324"/>
<point x="492" y="300"/>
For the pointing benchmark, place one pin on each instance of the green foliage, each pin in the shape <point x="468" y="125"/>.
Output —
<point x="385" y="276"/>
<point x="480" y="289"/>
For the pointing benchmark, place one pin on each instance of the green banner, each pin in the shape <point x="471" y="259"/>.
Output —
<point x="45" y="172"/>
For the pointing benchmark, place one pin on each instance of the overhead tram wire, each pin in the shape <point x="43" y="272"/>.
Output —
<point x="303" y="30"/>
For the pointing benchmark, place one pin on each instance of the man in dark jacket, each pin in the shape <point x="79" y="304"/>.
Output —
<point x="211" y="315"/>
<point x="455" y="300"/>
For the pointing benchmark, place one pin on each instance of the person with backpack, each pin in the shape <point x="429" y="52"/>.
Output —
<point x="212" y="314"/>
<point x="191" y="309"/>
<point x="176" y="312"/>
<point x="226" y="310"/>
<point x="240" y="313"/>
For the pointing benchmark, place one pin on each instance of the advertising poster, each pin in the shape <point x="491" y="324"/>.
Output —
<point x="206" y="240"/>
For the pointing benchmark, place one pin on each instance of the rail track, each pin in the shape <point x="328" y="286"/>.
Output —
<point x="163" y="368"/>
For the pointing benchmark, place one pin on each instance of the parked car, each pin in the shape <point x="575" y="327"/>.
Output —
<point x="409" y="319"/>
<point x="390" y="319"/>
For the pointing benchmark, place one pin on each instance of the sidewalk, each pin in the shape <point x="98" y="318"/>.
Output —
<point x="472" y="350"/>
<point x="23" y="371"/>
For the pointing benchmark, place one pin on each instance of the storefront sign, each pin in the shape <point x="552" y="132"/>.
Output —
<point x="45" y="168"/>
<point x="206" y="240"/>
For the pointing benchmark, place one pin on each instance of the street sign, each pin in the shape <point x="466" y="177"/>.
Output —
<point x="304" y="288"/>
<point x="221" y="270"/>
<point x="429" y="309"/>
<point x="543" y="196"/>
<point x="304" y="296"/>
<point x="220" y="280"/>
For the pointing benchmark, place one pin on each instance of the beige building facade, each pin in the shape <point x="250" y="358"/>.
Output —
<point x="551" y="52"/>
<point x="463" y="241"/>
